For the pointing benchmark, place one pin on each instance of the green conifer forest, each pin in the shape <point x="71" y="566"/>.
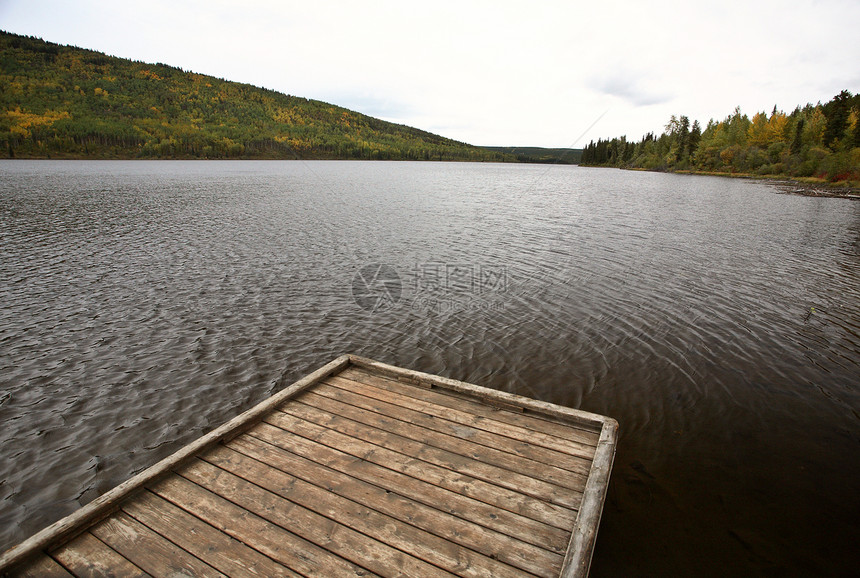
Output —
<point x="67" y="102"/>
<point x="819" y="141"/>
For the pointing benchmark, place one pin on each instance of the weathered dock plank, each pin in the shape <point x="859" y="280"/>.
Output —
<point x="289" y="533"/>
<point x="88" y="556"/>
<point x="419" y="491"/>
<point x="342" y="428"/>
<point x="219" y="550"/>
<point x="472" y="412"/>
<point x="42" y="567"/>
<point x="503" y="451"/>
<point x="424" y="517"/>
<point x="358" y="469"/>
<point x="499" y="496"/>
<point x="148" y="550"/>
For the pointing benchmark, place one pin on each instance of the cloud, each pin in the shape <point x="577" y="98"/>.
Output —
<point x="384" y="107"/>
<point x="631" y="88"/>
<point x="500" y="72"/>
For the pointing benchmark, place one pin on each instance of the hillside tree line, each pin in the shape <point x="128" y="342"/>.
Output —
<point x="821" y="141"/>
<point x="67" y="102"/>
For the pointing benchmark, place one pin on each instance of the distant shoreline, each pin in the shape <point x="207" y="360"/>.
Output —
<point x="807" y="187"/>
<point x="792" y="187"/>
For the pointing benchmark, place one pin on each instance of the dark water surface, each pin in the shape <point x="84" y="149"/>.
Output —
<point x="144" y="303"/>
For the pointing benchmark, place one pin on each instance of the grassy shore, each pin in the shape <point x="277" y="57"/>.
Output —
<point x="808" y="186"/>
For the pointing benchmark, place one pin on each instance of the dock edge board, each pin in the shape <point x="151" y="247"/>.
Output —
<point x="577" y="558"/>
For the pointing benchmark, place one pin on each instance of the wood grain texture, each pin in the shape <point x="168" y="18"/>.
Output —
<point x="270" y="526"/>
<point x="383" y="530"/>
<point x="102" y="506"/>
<point x="511" y="500"/>
<point x="88" y="557"/>
<point x="204" y="541"/>
<point x="506" y="547"/>
<point x="471" y="412"/>
<point x="576" y="419"/>
<point x="42" y="567"/>
<point x="358" y="469"/>
<point x="518" y="455"/>
<point x="350" y="432"/>
<point x="148" y="550"/>
<point x="420" y="491"/>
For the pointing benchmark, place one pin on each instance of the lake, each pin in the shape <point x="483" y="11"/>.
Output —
<point x="145" y="303"/>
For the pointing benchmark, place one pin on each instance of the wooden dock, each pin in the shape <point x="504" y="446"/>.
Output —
<point x="358" y="469"/>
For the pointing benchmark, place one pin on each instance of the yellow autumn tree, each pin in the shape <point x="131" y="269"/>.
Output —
<point x="22" y="123"/>
<point x="757" y="134"/>
<point x="813" y="130"/>
<point x="765" y="131"/>
<point x="776" y="126"/>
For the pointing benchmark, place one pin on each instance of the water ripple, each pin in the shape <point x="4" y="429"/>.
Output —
<point x="143" y="304"/>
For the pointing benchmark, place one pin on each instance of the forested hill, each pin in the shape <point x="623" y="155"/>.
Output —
<point x="67" y="102"/>
<point x="542" y="155"/>
<point x="821" y="141"/>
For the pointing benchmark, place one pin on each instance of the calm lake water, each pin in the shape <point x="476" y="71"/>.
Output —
<point x="144" y="303"/>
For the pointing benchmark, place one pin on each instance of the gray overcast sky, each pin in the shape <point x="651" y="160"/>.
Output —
<point x="536" y="73"/>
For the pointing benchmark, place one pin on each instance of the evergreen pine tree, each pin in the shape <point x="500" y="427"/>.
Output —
<point x="683" y="137"/>
<point x="693" y="141"/>
<point x="797" y="143"/>
<point x="836" y="113"/>
<point x="856" y="143"/>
